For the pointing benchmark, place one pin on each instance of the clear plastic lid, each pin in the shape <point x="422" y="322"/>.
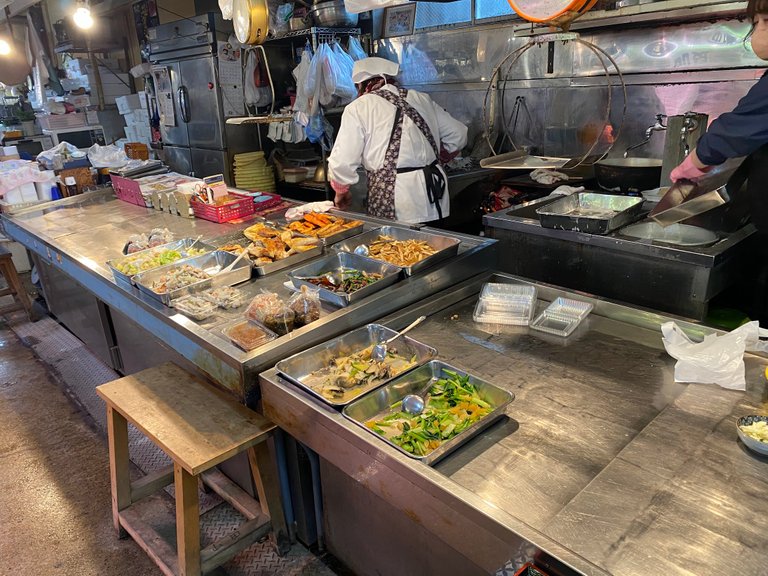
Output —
<point x="511" y="304"/>
<point x="248" y="335"/>
<point x="562" y="316"/>
<point x="196" y="307"/>
<point x="225" y="297"/>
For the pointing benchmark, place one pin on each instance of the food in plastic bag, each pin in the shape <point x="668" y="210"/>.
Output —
<point x="270" y="310"/>
<point x="305" y="305"/>
<point x="225" y="297"/>
<point x="355" y="49"/>
<point x="718" y="359"/>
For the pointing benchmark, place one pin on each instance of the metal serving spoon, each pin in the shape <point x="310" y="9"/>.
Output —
<point x="413" y="404"/>
<point x="361" y="250"/>
<point x="379" y="351"/>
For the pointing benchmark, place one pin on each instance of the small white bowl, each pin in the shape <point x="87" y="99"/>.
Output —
<point x="749" y="442"/>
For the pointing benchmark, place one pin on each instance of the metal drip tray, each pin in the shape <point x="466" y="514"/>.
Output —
<point x="676" y="234"/>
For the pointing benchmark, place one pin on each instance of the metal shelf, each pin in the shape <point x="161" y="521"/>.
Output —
<point x="316" y="30"/>
<point x="266" y="119"/>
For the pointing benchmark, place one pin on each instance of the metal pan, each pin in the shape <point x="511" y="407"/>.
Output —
<point x="590" y="212"/>
<point x="212" y="263"/>
<point x="269" y="268"/>
<point x="628" y="174"/>
<point x="299" y="367"/>
<point x="379" y="403"/>
<point x="183" y="246"/>
<point x="338" y="262"/>
<point x="446" y="246"/>
<point x="336" y="237"/>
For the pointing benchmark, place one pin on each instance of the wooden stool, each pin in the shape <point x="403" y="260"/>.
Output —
<point x="8" y="270"/>
<point x="197" y="426"/>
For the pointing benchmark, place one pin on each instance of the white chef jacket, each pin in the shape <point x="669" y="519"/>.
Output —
<point x="363" y="137"/>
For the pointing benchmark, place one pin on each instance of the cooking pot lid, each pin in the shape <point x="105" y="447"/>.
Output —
<point x="677" y="234"/>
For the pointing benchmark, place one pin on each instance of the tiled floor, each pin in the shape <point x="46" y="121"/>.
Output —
<point x="55" y="514"/>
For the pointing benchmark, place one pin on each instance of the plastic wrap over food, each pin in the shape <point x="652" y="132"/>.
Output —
<point x="270" y="310"/>
<point x="305" y="305"/>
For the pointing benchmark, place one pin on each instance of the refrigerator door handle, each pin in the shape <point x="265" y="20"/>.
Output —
<point x="184" y="103"/>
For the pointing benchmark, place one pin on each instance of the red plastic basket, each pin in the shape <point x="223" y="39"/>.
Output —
<point x="239" y="208"/>
<point x="127" y="190"/>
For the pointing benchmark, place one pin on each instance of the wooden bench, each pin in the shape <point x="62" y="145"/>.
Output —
<point x="198" y="427"/>
<point x="15" y="288"/>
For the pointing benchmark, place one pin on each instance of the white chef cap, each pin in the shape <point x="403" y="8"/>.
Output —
<point x="370" y="67"/>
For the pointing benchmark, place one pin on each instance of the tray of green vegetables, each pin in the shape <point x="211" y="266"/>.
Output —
<point x="457" y="406"/>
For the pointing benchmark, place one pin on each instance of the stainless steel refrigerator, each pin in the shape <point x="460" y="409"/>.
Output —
<point x="198" y="84"/>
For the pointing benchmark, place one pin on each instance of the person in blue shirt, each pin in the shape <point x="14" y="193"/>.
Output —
<point x="744" y="130"/>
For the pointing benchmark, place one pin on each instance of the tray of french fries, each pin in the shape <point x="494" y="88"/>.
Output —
<point x="329" y="227"/>
<point x="412" y="250"/>
<point x="272" y="247"/>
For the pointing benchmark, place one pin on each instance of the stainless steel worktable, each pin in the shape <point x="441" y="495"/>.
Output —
<point x="78" y="235"/>
<point x="603" y="461"/>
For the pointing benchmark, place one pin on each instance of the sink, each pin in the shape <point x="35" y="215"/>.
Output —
<point x="528" y="210"/>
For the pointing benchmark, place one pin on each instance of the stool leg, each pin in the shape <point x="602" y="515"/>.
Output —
<point x="14" y="283"/>
<point x="120" y="479"/>
<point x="187" y="521"/>
<point x="267" y="482"/>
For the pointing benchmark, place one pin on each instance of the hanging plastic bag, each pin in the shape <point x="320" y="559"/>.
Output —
<point x="257" y="89"/>
<point x="226" y="9"/>
<point x="355" y="49"/>
<point x="718" y="359"/>
<point x="251" y="94"/>
<point x="345" y="87"/>
<point x="327" y="79"/>
<point x="313" y="81"/>
<point x="301" y="106"/>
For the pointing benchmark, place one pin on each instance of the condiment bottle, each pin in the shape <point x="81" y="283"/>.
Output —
<point x="71" y="185"/>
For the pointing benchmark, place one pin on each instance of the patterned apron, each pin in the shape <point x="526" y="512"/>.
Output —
<point x="381" y="182"/>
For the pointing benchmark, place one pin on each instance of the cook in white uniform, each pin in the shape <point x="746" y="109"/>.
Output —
<point x="400" y="137"/>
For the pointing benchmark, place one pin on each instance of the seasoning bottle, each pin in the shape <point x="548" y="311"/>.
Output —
<point x="71" y="185"/>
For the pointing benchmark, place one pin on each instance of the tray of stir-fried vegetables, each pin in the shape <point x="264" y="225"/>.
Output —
<point x="457" y="407"/>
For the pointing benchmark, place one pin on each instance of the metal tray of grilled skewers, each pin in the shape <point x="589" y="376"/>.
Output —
<point x="321" y="370"/>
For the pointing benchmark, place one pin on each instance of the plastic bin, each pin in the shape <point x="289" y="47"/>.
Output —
<point x="239" y="208"/>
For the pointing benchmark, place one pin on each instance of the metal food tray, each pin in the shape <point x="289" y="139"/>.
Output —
<point x="590" y="212"/>
<point x="446" y="246"/>
<point x="380" y="403"/>
<point x="211" y="263"/>
<point x="297" y="367"/>
<point x="336" y="262"/>
<point x="338" y="236"/>
<point x="264" y="269"/>
<point x="182" y="246"/>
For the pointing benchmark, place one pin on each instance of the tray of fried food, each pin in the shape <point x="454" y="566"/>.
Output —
<point x="272" y="248"/>
<point x="329" y="227"/>
<point x="412" y="250"/>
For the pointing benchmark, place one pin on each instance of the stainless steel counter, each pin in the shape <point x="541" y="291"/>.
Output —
<point x="603" y="462"/>
<point x="677" y="280"/>
<point x="76" y="236"/>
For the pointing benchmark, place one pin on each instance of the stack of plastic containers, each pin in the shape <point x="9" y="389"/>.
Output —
<point x="562" y="316"/>
<point x="511" y="304"/>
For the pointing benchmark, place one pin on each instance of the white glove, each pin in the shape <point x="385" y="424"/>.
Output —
<point x="566" y="190"/>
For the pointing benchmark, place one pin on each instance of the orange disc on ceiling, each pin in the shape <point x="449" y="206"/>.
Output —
<point x="543" y="11"/>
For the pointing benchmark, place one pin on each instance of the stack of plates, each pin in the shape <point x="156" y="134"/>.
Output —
<point x="253" y="173"/>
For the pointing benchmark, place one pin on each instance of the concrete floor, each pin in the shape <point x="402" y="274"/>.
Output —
<point x="55" y="510"/>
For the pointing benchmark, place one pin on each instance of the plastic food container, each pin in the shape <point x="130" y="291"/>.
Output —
<point x="248" y="335"/>
<point x="225" y="297"/>
<point x="196" y="307"/>
<point x="511" y="304"/>
<point x="562" y="316"/>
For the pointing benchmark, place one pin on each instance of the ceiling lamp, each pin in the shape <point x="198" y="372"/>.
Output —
<point x="5" y="47"/>
<point x="82" y="16"/>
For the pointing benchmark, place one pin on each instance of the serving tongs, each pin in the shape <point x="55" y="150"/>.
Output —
<point x="688" y="198"/>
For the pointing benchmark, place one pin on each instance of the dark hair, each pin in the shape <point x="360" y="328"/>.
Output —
<point x="755" y="7"/>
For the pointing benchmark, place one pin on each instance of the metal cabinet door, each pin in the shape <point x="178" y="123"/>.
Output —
<point x="203" y="106"/>
<point x="207" y="162"/>
<point x="179" y="159"/>
<point x="175" y="134"/>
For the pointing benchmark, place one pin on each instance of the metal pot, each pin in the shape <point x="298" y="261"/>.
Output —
<point x="320" y="172"/>
<point x="628" y="174"/>
<point x="332" y="13"/>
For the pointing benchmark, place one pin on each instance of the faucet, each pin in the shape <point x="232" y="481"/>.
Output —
<point x="690" y="124"/>
<point x="658" y="126"/>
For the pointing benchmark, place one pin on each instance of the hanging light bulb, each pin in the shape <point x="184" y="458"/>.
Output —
<point x="82" y="16"/>
<point x="5" y="47"/>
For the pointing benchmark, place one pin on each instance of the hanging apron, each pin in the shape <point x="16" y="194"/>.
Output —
<point x="381" y="182"/>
